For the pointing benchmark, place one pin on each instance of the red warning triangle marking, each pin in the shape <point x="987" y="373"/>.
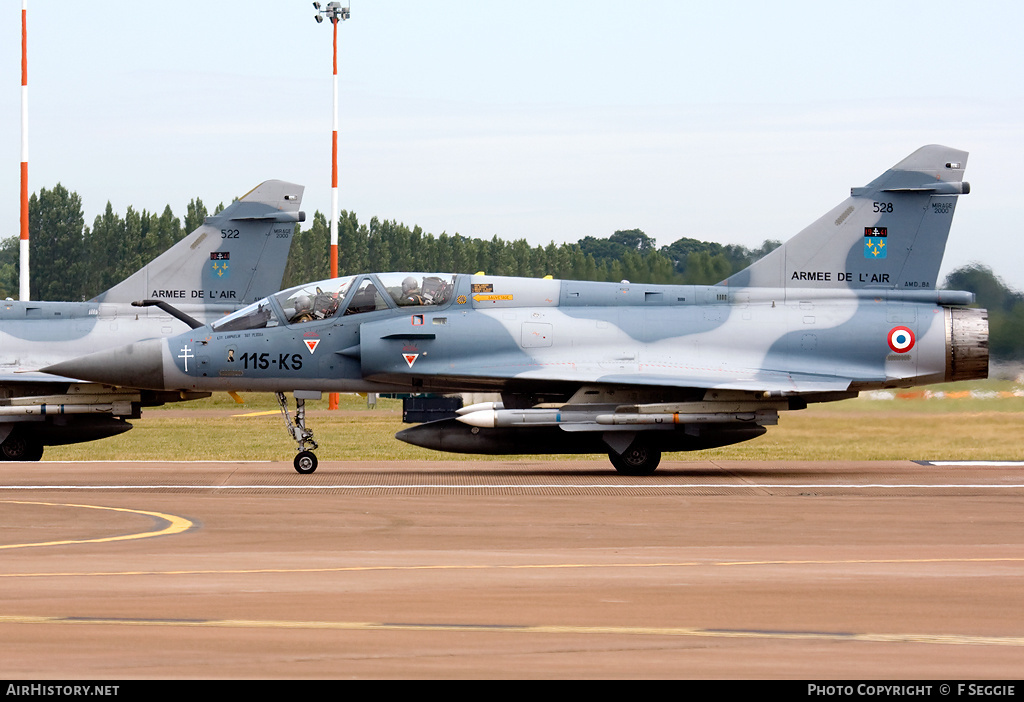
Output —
<point x="311" y="344"/>
<point x="410" y="358"/>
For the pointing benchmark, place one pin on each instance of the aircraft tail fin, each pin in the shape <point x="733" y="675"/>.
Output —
<point x="235" y="257"/>
<point x="890" y="233"/>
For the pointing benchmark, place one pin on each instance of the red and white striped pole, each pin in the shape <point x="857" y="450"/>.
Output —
<point x="23" y="293"/>
<point x="333" y="399"/>
<point x="334" y="162"/>
<point x="335" y="13"/>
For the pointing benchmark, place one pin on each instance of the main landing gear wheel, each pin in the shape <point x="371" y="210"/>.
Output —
<point x="18" y="447"/>
<point x="305" y="462"/>
<point x="639" y="459"/>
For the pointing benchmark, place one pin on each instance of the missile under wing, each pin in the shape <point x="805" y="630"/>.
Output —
<point x="848" y="304"/>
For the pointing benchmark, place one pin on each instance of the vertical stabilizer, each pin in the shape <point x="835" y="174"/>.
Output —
<point x="235" y="257"/>
<point x="888" y="234"/>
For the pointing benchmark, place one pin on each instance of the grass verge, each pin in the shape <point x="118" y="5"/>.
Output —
<point x="980" y="421"/>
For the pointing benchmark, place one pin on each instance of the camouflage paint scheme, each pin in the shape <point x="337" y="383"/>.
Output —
<point x="237" y="256"/>
<point x="848" y="304"/>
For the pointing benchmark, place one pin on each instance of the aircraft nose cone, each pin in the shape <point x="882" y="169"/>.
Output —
<point x="138" y="365"/>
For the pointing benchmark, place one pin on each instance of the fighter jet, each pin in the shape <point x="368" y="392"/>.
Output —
<point x="234" y="258"/>
<point x="848" y="304"/>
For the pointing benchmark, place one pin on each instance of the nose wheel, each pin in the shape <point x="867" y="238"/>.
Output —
<point x="305" y="460"/>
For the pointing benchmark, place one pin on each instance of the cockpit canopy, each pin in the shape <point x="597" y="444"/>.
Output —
<point x="353" y="294"/>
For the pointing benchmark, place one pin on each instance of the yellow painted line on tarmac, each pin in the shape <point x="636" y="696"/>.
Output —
<point x="564" y="629"/>
<point x="258" y="414"/>
<point x="521" y="566"/>
<point x="174" y="525"/>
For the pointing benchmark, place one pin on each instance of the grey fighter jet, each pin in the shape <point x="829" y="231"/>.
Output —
<point x="848" y="304"/>
<point x="236" y="257"/>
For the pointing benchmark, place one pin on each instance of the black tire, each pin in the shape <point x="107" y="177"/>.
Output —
<point x="639" y="459"/>
<point x="19" y="447"/>
<point x="305" y="462"/>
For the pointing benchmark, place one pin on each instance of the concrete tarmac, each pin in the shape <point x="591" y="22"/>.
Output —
<point x="509" y="569"/>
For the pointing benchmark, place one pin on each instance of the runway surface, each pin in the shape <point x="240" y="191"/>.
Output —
<point x="876" y="570"/>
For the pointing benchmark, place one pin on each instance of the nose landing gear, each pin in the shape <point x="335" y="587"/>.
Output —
<point x="305" y="460"/>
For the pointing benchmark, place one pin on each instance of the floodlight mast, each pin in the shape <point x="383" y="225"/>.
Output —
<point x="23" y="284"/>
<point x="335" y="13"/>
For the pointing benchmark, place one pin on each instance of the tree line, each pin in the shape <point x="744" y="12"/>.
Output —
<point x="1004" y="304"/>
<point x="387" y="245"/>
<point x="73" y="261"/>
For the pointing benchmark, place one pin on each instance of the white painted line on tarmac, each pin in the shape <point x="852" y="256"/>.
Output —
<point x="131" y="461"/>
<point x="539" y="486"/>
<point x="996" y="464"/>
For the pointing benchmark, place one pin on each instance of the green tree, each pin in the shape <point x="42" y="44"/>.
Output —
<point x="128" y="249"/>
<point x="195" y="215"/>
<point x="633" y="240"/>
<point x="160" y="234"/>
<point x="56" y="230"/>
<point x="989" y="289"/>
<point x="728" y="258"/>
<point x="352" y="242"/>
<point x="318" y="250"/>
<point x="659" y="268"/>
<point x="702" y="268"/>
<point x="10" y="251"/>
<point x="1005" y="308"/>
<point x="601" y="249"/>
<point x="378" y="247"/>
<point x="309" y="254"/>
<point x="102" y="247"/>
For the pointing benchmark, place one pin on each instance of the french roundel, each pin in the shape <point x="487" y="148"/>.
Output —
<point x="901" y="339"/>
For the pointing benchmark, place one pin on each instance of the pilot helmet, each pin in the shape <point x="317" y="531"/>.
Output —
<point x="303" y="303"/>
<point x="409" y="284"/>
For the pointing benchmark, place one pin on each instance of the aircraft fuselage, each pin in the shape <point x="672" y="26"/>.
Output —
<point x="526" y="332"/>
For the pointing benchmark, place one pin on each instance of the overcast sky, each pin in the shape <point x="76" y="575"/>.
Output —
<point x="728" y="121"/>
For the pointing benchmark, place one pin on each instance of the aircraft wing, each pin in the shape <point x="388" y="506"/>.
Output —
<point x="755" y="381"/>
<point x="501" y="370"/>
